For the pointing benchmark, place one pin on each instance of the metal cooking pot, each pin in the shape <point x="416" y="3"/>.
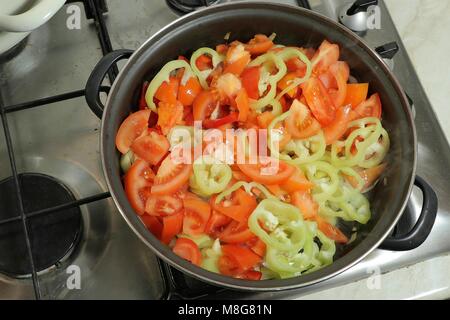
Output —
<point x="293" y="26"/>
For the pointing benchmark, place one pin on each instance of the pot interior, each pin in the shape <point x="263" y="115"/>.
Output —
<point x="293" y="27"/>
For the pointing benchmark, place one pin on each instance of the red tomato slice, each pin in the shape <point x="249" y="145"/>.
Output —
<point x="331" y="231"/>
<point x="189" y="91"/>
<point x="204" y="62"/>
<point x="171" y="177"/>
<point x="286" y="82"/>
<point x="236" y="232"/>
<point x="304" y="201"/>
<point x="259" y="44"/>
<point x="216" y="224"/>
<point x="172" y="225"/>
<point x="356" y="94"/>
<point x="250" y="80"/>
<point x="237" y="260"/>
<point x="319" y="101"/>
<point x="243" y="105"/>
<point x="151" y="147"/>
<point x="163" y="205"/>
<point x="257" y="173"/>
<point x="325" y="56"/>
<point x="153" y="224"/>
<point x="204" y="104"/>
<point x="339" y="127"/>
<point x="168" y="91"/>
<point x="197" y="214"/>
<point x="257" y="246"/>
<point x="297" y="182"/>
<point x="188" y="249"/>
<point x="301" y="124"/>
<point x="369" y="108"/>
<point x="370" y="176"/>
<point x="238" y="208"/>
<point x="250" y="275"/>
<point x="138" y="181"/>
<point x="131" y="128"/>
<point x="340" y="71"/>
<point x="169" y="114"/>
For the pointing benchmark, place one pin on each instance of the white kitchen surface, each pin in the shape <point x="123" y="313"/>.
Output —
<point x="423" y="26"/>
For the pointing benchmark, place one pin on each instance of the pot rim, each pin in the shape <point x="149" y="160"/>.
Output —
<point x="263" y="285"/>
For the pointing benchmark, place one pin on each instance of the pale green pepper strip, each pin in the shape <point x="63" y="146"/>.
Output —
<point x="323" y="175"/>
<point x="289" y="53"/>
<point x="161" y="76"/>
<point x="126" y="161"/>
<point x="352" y="173"/>
<point x="381" y="151"/>
<point x="370" y="133"/>
<point x="211" y="257"/>
<point x="203" y="75"/>
<point x="306" y="150"/>
<point x="286" y="225"/>
<point x="210" y="175"/>
<point x="273" y="79"/>
<point x="248" y="186"/>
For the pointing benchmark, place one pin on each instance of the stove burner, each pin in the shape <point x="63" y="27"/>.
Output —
<point x="52" y="236"/>
<point x="186" y="6"/>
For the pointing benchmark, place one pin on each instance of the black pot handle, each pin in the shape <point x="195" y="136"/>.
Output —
<point x="94" y="83"/>
<point x="423" y="226"/>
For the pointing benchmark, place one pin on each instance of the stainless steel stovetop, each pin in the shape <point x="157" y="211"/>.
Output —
<point x="61" y="139"/>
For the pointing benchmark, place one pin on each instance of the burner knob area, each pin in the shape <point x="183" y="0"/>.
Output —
<point x="354" y="15"/>
<point x="186" y="6"/>
<point x="387" y="52"/>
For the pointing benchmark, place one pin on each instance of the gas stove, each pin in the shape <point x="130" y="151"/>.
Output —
<point x="61" y="236"/>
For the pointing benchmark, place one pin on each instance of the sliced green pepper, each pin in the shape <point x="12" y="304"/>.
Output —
<point x="285" y="225"/>
<point x="203" y="75"/>
<point x="210" y="175"/>
<point x="161" y="76"/>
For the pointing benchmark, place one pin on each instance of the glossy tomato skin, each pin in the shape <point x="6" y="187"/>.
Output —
<point x="131" y="128"/>
<point x="188" y="249"/>
<point x="301" y="124"/>
<point x="319" y="101"/>
<point x="152" y="147"/>
<point x="171" y="177"/>
<point x="369" y="108"/>
<point x="255" y="172"/>
<point x="250" y="80"/>
<point x="138" y="182"/>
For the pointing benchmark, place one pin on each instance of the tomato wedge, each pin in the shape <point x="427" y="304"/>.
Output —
<point x="286" y="81"/>
<point x="235" y="260"/>
<point x="162" y="205"/>
<point x="301" y="124"/>
<point x="369" y="108"/>
<point x="243" y="105"/>
<point x="236" y="60"/>
<point x="172" y="225"/>
<point x="204" y="62"/>
<point x="325" y="56"/>
<point x="236" y="232"/>
<point x="304" y="201"/>
<point x="138" y="182"/>
<point x="197" y="214"/>
<point x="131" y="128"/>
<point x="339" y="127"/>
<point x="258" y="173"/>
<point x="331" y="231"/>
<point x="259" y="44"/>
<point x="265" y="119"/>
<point x="250" y="81"/>
<point x="168" y="91"/>
<point x="340" y="71"/>
<point x="151" y="147"/>
<point x="153" y="224"/>
<point x="319" y="101"/>
<point x="297" y="182"/>
<point x="189" y="91"/>
<point x="204" y="104"/>
<point x="239" y="207"/>
<point x="356" y="94"/>
<point x="257" y="246"/>
<point x="216" y="224"/>
<point x="171" y="176"/>
<point x="188" y="249"/>
<point x="169" y="114"/>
